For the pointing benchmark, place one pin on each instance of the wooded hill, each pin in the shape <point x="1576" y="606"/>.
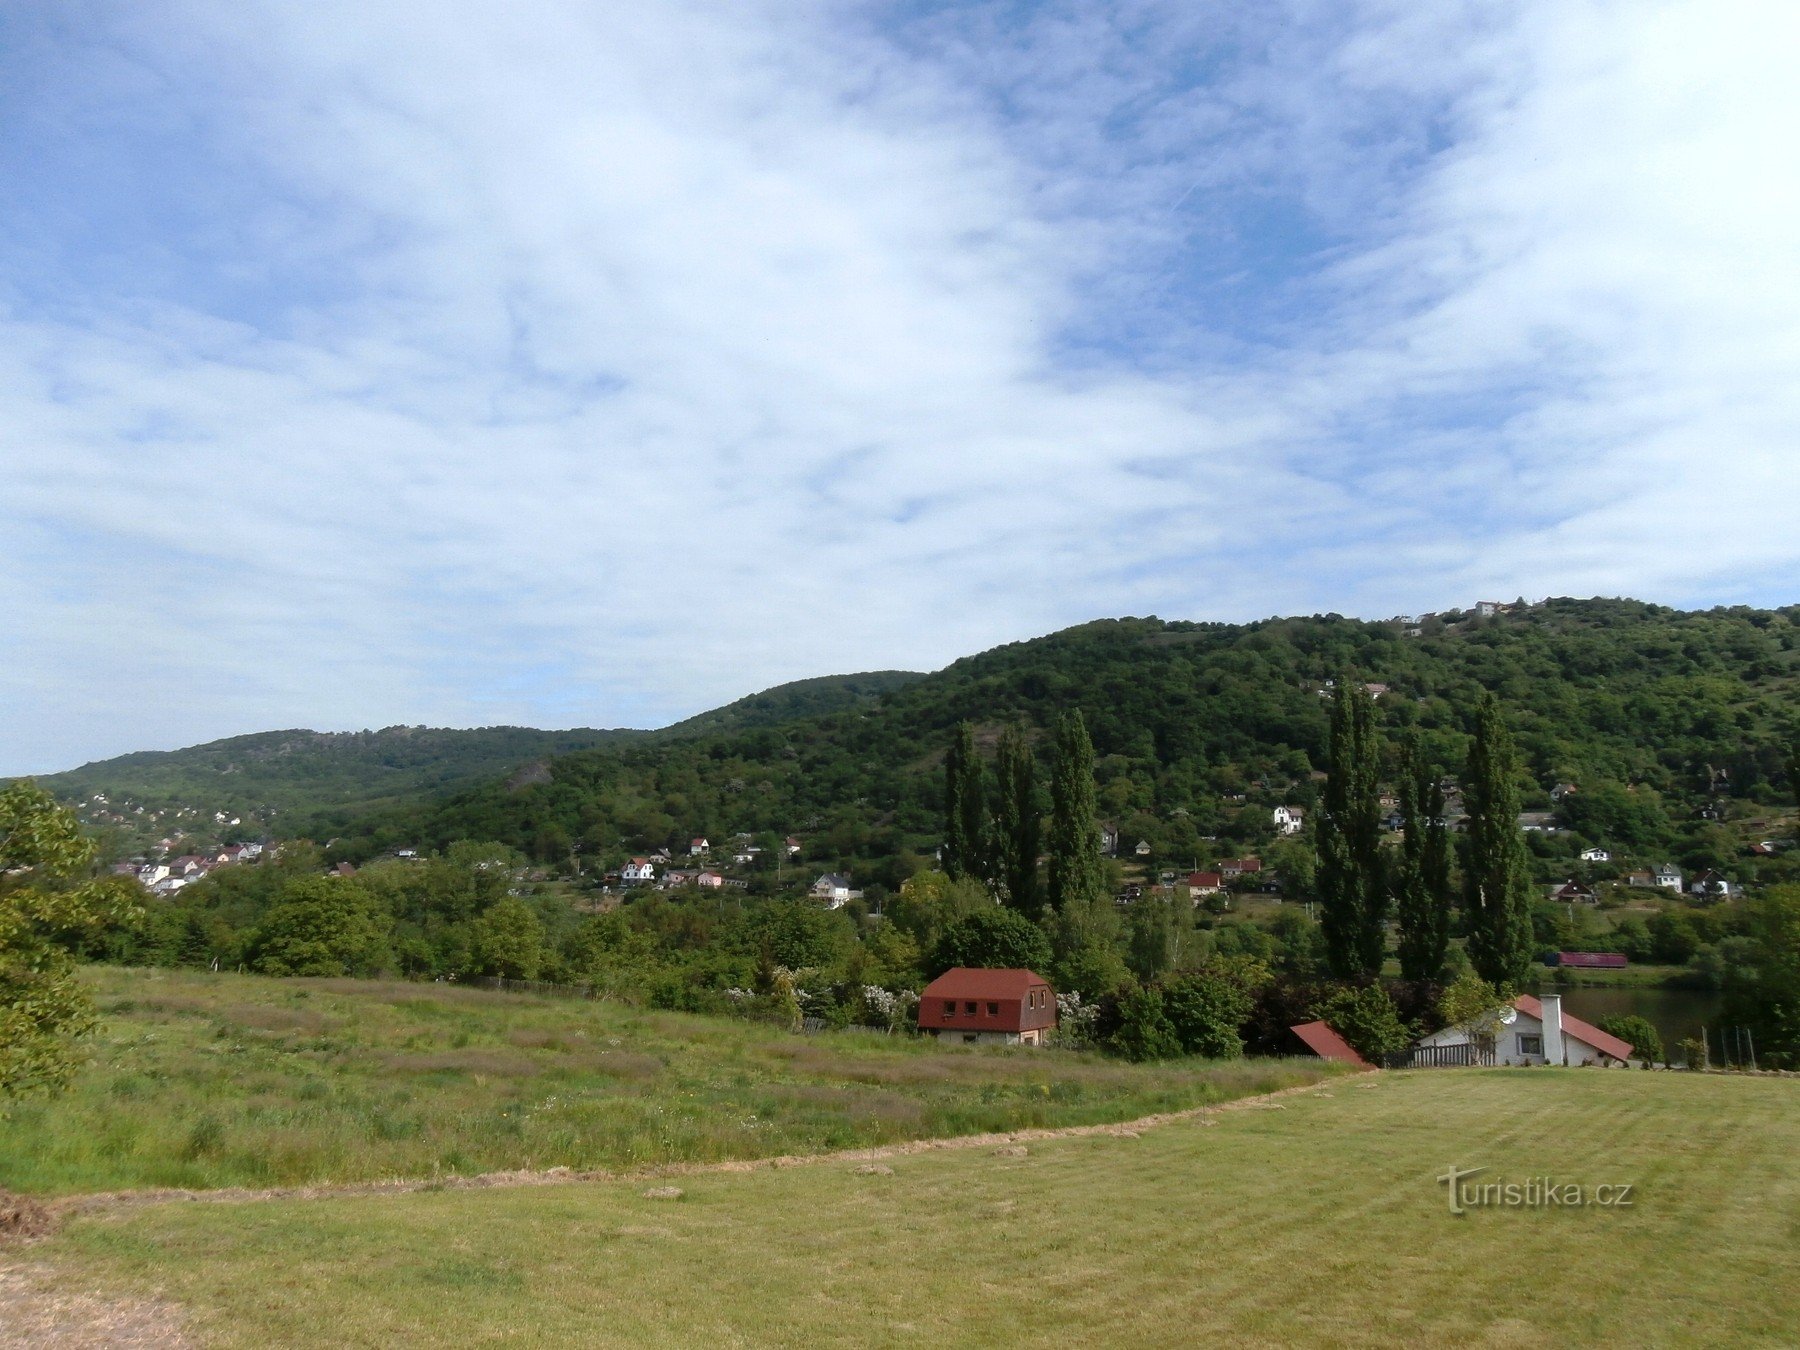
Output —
<point x="1663" y="718"/>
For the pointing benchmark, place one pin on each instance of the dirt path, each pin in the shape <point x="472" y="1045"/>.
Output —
<point x="115" y="1201"/>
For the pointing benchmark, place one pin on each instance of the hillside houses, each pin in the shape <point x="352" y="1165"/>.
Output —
<point x="1289" y="820"/>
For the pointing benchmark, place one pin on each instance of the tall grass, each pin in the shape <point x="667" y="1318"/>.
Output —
<point x="204" y="1080"/>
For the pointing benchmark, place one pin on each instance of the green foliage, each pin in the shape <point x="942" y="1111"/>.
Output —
<point x="1470" y="1001"/>
<point x="1422" y="881"/>
<point x="1763" y="993"/>
<point x="1077" y="877"/>
<point x="1368" y="1019"/>
<point x="1352" y="878"/>
<point x="967" y="851"/>
<point x="1144" y="1031"/>
<point x="45" y="903"/>
<point x="508" y="941"/>
<point x="1084" y="942"/>
<point x="1637" y="1032"/>
<point x="1207" y="1007"/>
<point x="323" y="926"/>
<point x="994" y="937"/>
<point x="1496" y="876"/>
<point x="1018" y="824"/>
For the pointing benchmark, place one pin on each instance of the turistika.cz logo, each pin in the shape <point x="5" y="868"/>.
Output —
<point x="1532" y="1193"/>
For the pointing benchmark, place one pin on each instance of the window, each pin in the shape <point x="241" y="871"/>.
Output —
<point x="968" y="1009"/>
<point x="993" y="1010"/>
<point x="949" y="1008"/>
<point x="1530" y="1045"/>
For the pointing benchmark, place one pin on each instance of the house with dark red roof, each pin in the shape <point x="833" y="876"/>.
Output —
<point x="1532" y="1031"/>
<point x="988" y="1007"/>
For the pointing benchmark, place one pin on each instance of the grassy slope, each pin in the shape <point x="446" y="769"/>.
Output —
<point x="216" y="1080"/>
<point x="1317" y="1224"/>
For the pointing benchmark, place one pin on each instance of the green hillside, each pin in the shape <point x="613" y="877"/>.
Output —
<point x="1659" y="715"/>
<point x="300" y="782"/>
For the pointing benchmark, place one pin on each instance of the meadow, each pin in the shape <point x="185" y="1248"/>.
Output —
<point x="204" y="1080"/>
<point x="1316" y="1220"/>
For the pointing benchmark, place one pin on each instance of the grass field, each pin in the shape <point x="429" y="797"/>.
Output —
<point x="1320" y="1223"/>
<point x="205" y="1080"/>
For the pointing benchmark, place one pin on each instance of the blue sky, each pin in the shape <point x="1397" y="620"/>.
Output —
<point x="568" y="363"/>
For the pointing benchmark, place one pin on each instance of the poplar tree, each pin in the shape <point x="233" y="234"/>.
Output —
<point x="1077" y="876"/>
<point x="1352" y="880"/>
<point x="965" y="808"/>
<point x="1422" y="882"/>
<point x="1018" y="828"/>
<point x="1496" y="877"/>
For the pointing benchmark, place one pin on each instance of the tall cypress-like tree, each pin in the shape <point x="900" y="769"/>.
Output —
<point x="965" y="808"/>
<point x="1018" y="828"/>
<point x="1496" y="876"/>
<point x="1422" y="880"/>
<point x="1077" y="875"/>
<point x="1352" y="878"/>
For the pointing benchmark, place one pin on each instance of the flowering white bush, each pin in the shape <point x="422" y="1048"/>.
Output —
<point x="1075" y="1019"/>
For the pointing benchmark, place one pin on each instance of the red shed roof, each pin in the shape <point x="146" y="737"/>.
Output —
<point x="1580" y="1030"/>
<point x="1327" y="1044"/>
<point x="1608" y="960"/>
<point x="975" y="982"/>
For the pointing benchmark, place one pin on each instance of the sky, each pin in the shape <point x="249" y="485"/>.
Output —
<point x="563" y="363"/>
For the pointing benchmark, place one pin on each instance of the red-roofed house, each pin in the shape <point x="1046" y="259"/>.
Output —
<point x="983" y="1007"/>
<point x="1319" y="1038"/>
<point x="1537" y="1031"/>
<point x="1233" y="868"/>
<point x="1204" y="883"/>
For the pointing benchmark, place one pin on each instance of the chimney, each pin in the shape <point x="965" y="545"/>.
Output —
<point x="1553" y="1037"/>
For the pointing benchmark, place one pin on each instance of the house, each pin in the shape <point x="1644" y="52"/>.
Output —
<point x="988" y="1007"/>
<point x="671" y="878"/>
<point x="1538" y="822"/>
<point x="662" y="857"/>
<point x="189" y="864"/>
<point x="344" y="870"/>
<point x="1669" y="878"/>
<point x="1764" y="848"/>
<point x="1712" y="885"/>
<point x="1375" y="691"/>
<point x="1562" y="790"/>
<point x="834" y="889"/>
<point x="1532" y="1031"/>
<point x="1109" y="841"/>
<point x="1589" y="961"/>
<point x="637" y="872"/>
<point x="792" y="845"/>
<point x="1204" y="883"/>
<point x="1327" y="1044"/>
<point x="709" y="881"/>
<point x="1486" y="609"/>
<point x="1289" y="819"/>
<point x="696" y="846"/>
<point x="1573" y="893"/>
<point x="1595" y="854"/>
<point x="152" y="873"/>
<point x="1233" y="868"/>
<point x="1142" y="849"/>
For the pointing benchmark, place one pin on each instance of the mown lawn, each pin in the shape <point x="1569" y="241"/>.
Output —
<point x="1317" y="1224"/>
<point x="205" y="1080"/>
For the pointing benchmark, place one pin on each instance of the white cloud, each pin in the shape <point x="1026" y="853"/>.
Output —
<point x="599" y="364"/>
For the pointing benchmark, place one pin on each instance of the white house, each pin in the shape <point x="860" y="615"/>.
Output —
<point x="1595" y="855"/>
<point x="1713" y="885"/>
<point x="1289" y="819"/>
<point x="834" y="889"/>
<point x="697" y="846"/>
<point x="1669" y="878"/>
<point x="636" y="871"/>
<point x="1535" y="1031"/>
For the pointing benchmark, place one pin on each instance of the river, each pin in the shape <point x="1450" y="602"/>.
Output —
<point x="1676" y="1014"/>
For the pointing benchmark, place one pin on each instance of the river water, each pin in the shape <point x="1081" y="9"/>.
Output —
<point x="1676" y="1014"/>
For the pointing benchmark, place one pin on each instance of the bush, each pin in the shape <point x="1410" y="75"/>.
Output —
<point x="1368" y="1020"/>
<point x="1646" y="1043"/>
<point x="1144" y="1031"/>
<point x="1207" y="1008"/>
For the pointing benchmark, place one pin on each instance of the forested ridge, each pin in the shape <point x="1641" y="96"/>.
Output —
<point x="1196" y="728"/>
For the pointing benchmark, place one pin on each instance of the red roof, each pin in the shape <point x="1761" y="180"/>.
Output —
<point x="975" y="982"/>
<point x="1580" y="1030"/>
<point x="1606" y="960"/>
<point x="1205" y="879"/>
<point x="1327" y="1044"/>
